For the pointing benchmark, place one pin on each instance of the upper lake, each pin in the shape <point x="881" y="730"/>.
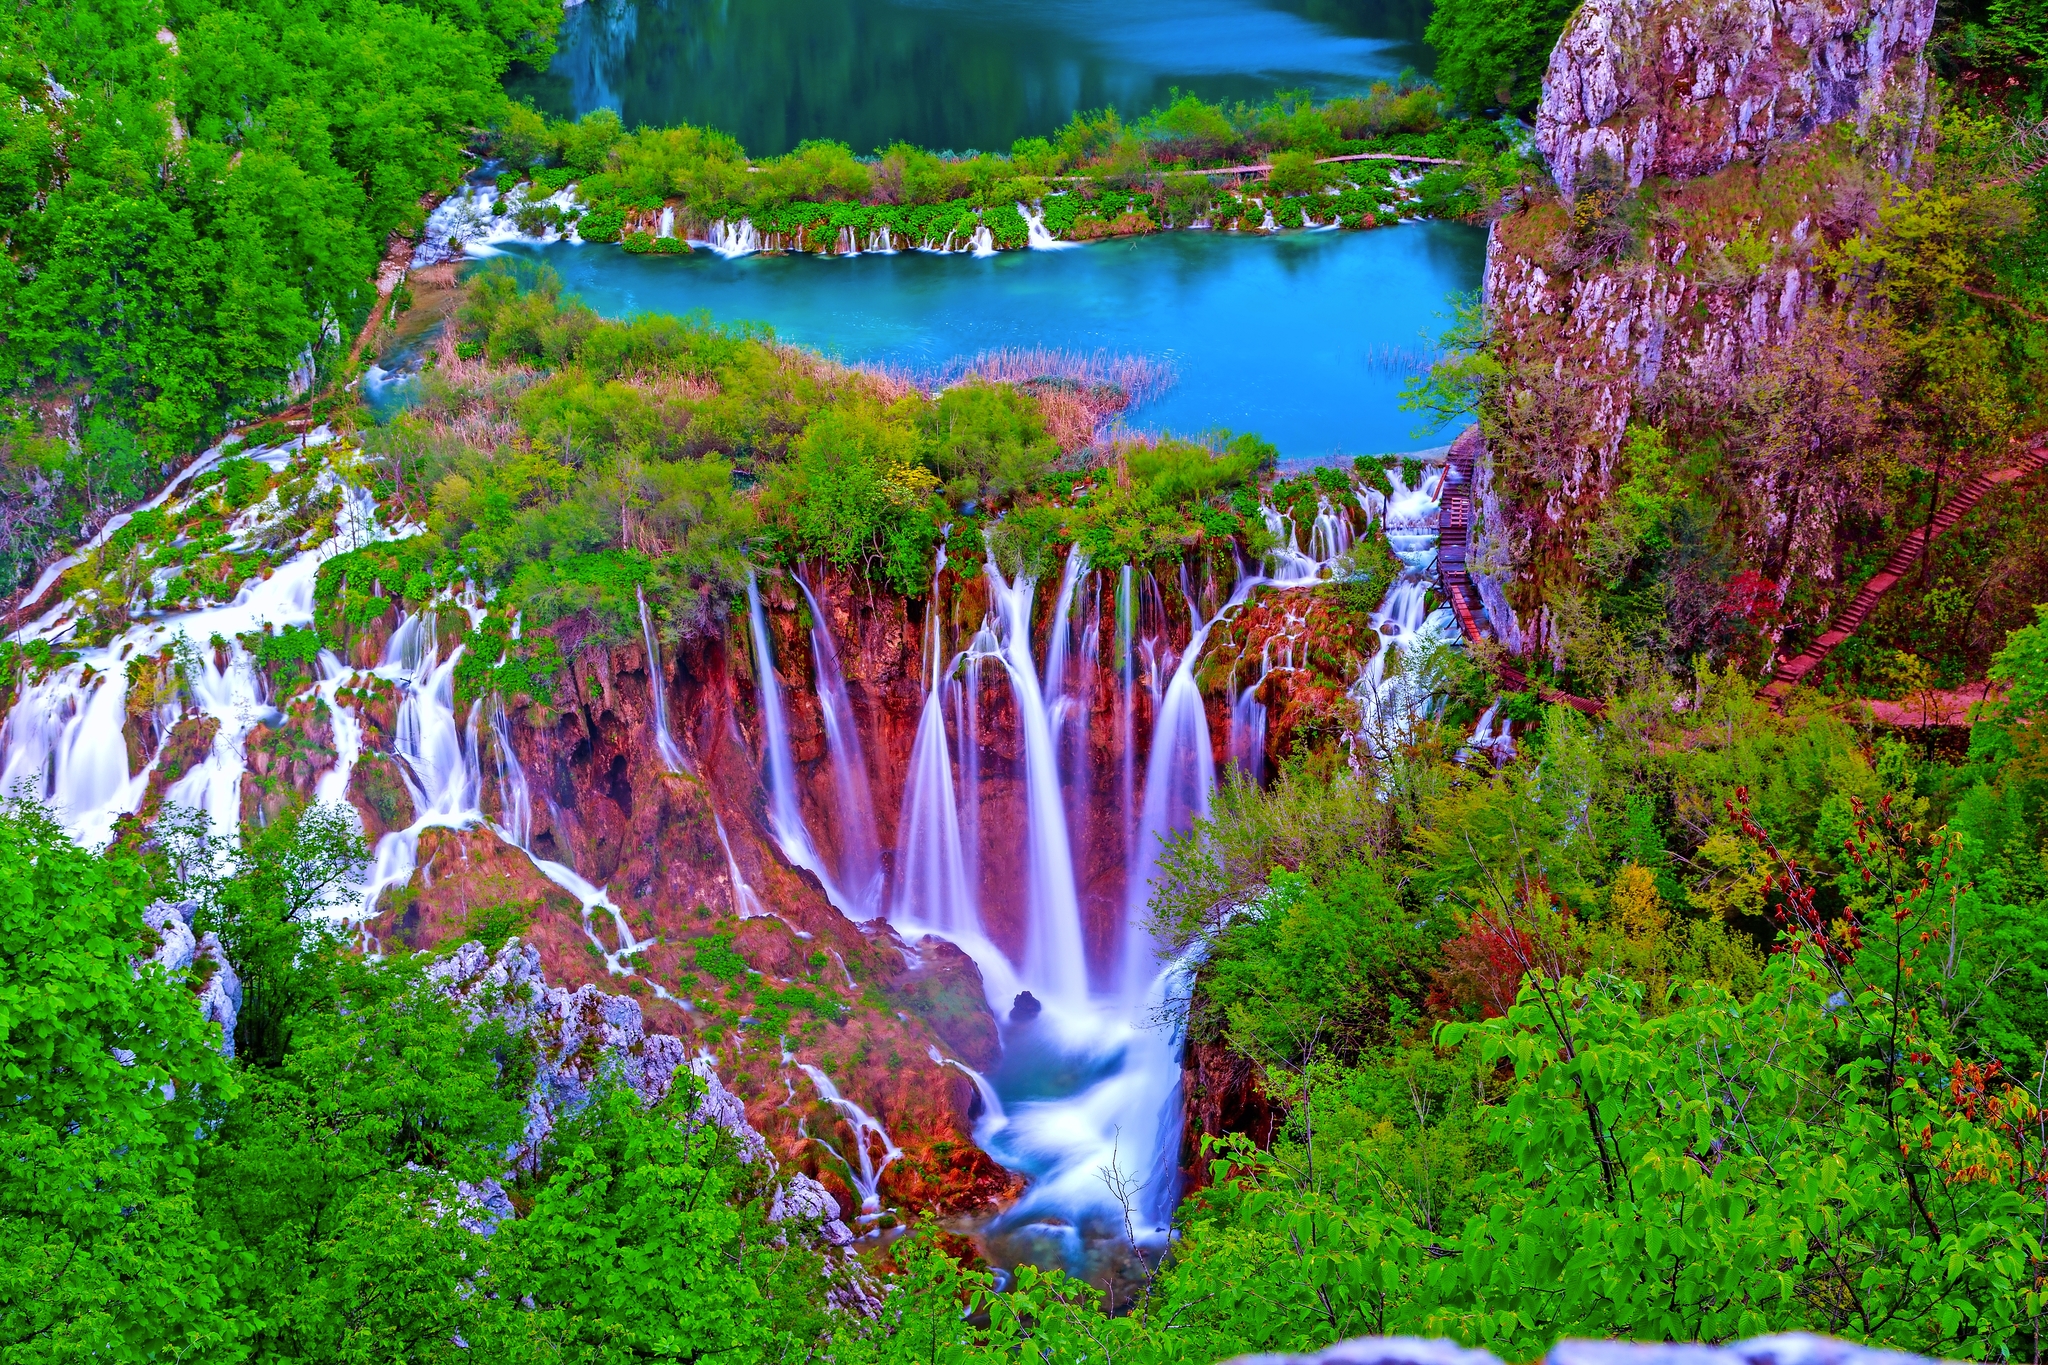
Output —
<point x="953" y="74"/>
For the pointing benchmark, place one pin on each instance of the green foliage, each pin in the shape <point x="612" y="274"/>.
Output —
<point x="186" y="222"/>
<point x="1636" y="519"/>
<point x="643" y="1242"/>
<point x="360" y="586"/>
<point x="111" y="1071"/>
<point x="854" y="494"/>
<point x="492" y="925"/>
<point x="290" y="656"/>
<point x="1491" y="54"/>
<point x="715" y="957"/>
<point x="519" y="672"/>
<point x="987" y="441"/>
<point x="1320" y="962"/>
<point x="1174" y="471"/>
<point x="265" y="898"/>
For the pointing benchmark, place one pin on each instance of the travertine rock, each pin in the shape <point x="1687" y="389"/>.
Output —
<point x="1685" y="87"/>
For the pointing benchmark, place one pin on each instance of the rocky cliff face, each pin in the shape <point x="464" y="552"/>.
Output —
<point x="1683" y="88"/>
<point x="1707" y="157"/>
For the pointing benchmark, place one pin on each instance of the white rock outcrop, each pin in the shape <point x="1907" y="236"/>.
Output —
<point x="1685" y="87"/>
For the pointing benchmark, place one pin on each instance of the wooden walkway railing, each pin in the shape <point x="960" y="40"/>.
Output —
<point x="1454" y="544"/>
<point x="1792" y="672"/>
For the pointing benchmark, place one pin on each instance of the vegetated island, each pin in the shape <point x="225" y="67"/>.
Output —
<point x="1396" y="152"/>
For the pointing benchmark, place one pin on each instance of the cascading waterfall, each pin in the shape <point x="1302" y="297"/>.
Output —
<point x="1248" y="721"/>
<point x="864" y="1171"/>
<point x="1091" y="1080"/>
<point x="732" y="240"/>
<point x="934" y="884"/>
<point x="778" y="768"/>
<point x="657" y="688"/>
<point x="745" y="903"/>
<point x="1036" y="235"/>
<point x="860" y="850"/>
<point x="1054" y="965"/>
<point x="64" y="740"/>
<point x="1054" y="687"/>
<point x="1387" y="691"/>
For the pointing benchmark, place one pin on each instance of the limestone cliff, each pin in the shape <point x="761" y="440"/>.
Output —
<point x="1707" y="158"/>
<point x="1683" y="88"/>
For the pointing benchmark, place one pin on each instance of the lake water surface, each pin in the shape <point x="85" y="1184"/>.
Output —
<point x="1305" y="337"/>
<point x="953" y="74"/>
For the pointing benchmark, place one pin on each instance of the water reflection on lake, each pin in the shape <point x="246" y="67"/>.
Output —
<point x="953" y="74"/>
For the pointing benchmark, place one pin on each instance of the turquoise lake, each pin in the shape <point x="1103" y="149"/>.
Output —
<point x="953" y="74"/>
<point x="1303" y="337"/>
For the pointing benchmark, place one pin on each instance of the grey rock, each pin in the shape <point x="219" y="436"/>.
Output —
<point x="1680" y="88"/>
<point x="1787" y="1348"/>
<point x="1382" y="1351"/>
<point x="487" y="1205"/>
<point x="172" y="921"/>
<point x="803" y="1199"/>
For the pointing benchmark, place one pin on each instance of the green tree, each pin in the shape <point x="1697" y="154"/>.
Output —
<point x="111" y="1073"/>
<point x="1491" y="54"/>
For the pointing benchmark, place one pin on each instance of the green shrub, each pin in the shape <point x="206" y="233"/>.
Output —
<point x="602" y="225"/>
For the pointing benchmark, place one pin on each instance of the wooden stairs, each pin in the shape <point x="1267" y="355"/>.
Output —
<point x="1793" y="671"/>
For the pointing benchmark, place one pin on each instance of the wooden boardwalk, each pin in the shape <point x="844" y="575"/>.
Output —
<point x="1454" y="544"/>
<point x="1793" y="671"/>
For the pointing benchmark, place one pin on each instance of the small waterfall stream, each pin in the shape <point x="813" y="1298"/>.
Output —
<point x="860" y="850"/>
<point x="1389" y="691"/>
<point x="745" y="903"/>
<point x="778" y="767"/>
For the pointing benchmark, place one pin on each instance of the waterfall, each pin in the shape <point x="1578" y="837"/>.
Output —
<point x="778" y="768"/>
<point x="64" y="737"/>
<point x="667" y="226"/>
<point x="983" y="240"/>
<point x="1035" y="233"/>
<point x="966" y="693"/>
<point x="1180" y="773"/>
<point x="332" y="788"/>
<point x="1056" y="650"/>
<point x="934" y="890"/>
<point x="734" y="240"/>
<point x="1248" y="722"/>
<point x="1126" y="721"/>
<point x="1053" y="960"/>
<point x="1493" y="734"/>
<point x="745" y="903"/>
<point x="437" y="755"/>
<point x="860" y="850"/>
<point x="657" y="686"/>
<point x="515" y="801"/>
<point x="864" y="1172"/>
<point x="1388" y="691"/>
<point x="1330" y="537"/>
